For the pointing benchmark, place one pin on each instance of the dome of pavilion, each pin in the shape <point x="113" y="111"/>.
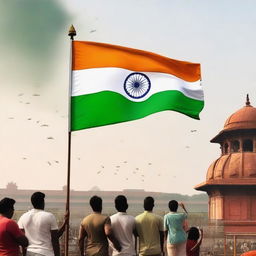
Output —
<point x="244" y="118"/>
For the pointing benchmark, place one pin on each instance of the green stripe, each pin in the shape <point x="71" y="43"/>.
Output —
<point x="106" y="107"/>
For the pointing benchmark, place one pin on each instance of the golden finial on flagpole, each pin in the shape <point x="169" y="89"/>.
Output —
<point x="72" y="32"/>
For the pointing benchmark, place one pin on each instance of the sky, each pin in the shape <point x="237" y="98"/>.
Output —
<point x="156" y="153"/>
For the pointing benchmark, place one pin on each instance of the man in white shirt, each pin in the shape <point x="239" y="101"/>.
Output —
<point x="123" y="226"/>
<point x="41" y="229"/>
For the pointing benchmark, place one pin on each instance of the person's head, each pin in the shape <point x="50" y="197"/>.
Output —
<point x="193" y="233"/>
<point x="7" y="207"/>
<point x="121" y="203"/>
<point x="96" y="203"/>
<point x="37" y="200"/>
<point x="173" y="206"/>
<point x="149" y="203"/>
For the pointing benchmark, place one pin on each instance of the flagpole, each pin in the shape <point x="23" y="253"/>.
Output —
<point x="71" y="33"/>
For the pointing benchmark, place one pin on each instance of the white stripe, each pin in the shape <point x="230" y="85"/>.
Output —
<point x="95" y="80"/>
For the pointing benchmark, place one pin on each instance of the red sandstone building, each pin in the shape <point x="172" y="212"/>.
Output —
<point x="231" y="179"/>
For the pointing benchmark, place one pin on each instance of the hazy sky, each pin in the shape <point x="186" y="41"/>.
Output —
<point x="157" y="153"/>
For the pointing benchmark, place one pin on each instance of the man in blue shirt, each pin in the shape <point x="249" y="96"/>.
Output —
<point x="174" y="226"/>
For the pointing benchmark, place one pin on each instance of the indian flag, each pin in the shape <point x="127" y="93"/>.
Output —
<point x="113" y="84"/>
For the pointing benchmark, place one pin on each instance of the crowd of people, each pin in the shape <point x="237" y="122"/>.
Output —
<point x="37" y="234"/>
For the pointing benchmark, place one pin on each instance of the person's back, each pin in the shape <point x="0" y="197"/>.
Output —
<point x="149" y="227"/>
<point x="194" y="241"/>
<point x="10" y="234"/>
<point x="38" y="224"/>
<point x="97" y="243"/>
<point x="41" y="228"/>
<point x="174" y="222"/>
<point x="123" y="226"/>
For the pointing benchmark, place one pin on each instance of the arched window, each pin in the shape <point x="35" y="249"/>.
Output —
<point x="235" y="146"/>
<point x="226" y="148"/>
<point x="247" y="145"/>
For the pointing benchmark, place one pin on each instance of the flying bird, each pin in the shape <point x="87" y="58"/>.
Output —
<point x="193" y="130"/>
<point x="20" y="94"/>
<point x="56" y="161"/>
<point x="49" y="163"/>
<point x="50" y="138"/>
<point x="35" y="94"/>
<point x="93" y="30"/>
<point x="44" y="125"/>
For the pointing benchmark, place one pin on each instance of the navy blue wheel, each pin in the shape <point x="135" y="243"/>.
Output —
<point x="137" y="85"/>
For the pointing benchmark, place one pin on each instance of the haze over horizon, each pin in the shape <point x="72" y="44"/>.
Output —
<point x="165" y="152"/>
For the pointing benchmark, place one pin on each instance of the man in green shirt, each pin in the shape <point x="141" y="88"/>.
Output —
<point x="175" y="225"/>
<point x="149" y="227"/>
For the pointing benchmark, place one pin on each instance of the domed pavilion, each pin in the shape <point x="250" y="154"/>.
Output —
<point x="231" y="179"/>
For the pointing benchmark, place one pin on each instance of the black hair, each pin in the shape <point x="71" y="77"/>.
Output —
<point x="6" y="204"/>
<point x="149" y="203"/>
<point x="121" y="203"/>
<point x="193" y="233"/>
<point x="96" y="203"/>
<point x="173" y="205"/>
<point x="37" y="200"/>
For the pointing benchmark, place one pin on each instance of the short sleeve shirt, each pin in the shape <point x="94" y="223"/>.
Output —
<point x="97" y="243"/>
<point x="173" y="223"/>
<point x="38" y="225"/>
<point x="9" y="231"/>
<point x="148" y="226"/>
<point x="123" y="226"/>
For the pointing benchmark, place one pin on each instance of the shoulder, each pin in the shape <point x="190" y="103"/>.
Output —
<point x="24" y="215"/>
<point x="47" y="216"/>
<point x="10" y="222"/>
<point x="138" y="217"/>
<point x="12" y="227"/>
<point x="183" y="215"/>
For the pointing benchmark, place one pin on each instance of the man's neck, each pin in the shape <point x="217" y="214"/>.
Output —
<point x="39" y="208"/>
<point x="4" y="215"/>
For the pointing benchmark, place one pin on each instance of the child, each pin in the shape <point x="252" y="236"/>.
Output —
<point x="194" y="241"/>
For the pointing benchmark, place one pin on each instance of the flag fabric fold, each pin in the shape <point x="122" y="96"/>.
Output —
<point x="113" y="84"/>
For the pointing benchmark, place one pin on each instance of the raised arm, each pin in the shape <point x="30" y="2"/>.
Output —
<point x="198" y="242"/>
<point x="183" y="207"/>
